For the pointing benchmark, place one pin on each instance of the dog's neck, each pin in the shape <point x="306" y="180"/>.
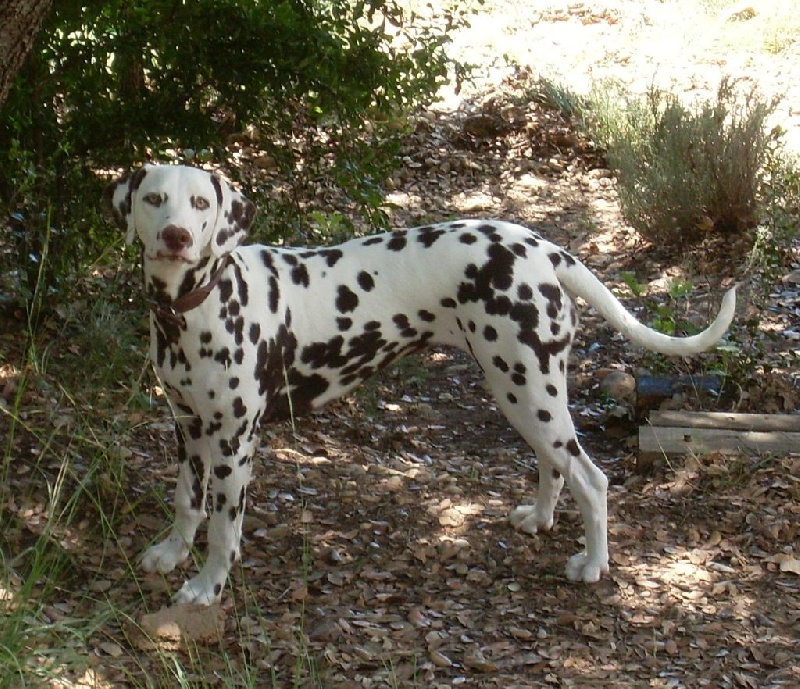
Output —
<point x="167" y="281"/>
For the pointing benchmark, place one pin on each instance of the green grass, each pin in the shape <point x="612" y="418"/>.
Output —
<point x="70" y="593"/>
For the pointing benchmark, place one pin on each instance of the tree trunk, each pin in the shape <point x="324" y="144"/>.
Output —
<point x="19" y="23"/>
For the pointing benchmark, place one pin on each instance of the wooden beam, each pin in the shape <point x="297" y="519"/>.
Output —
<point x="673" y="441"/>
<point x="719" y="420"/>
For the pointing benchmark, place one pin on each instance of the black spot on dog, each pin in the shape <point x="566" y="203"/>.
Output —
<point x="525" y="315"/>
<point x="344" y="324"/>
<point x="371" y="241"/>
<point x="225" y="290"/>
<point x="398" y="241"/>
<point x="300" y="275"/>
<point x="553" y="295"/>
<point x="428" y="235"/>
<point x="239" y="409"/>
<point x="213" y="428"/>
<point x="468" y="238"/>
<point x="533" y="240"/>
<point x="524" y="292"/>
<point x="496" y="274"/>
<point x="426" y="316"/>
<point x="346" y="299"/>
<point x="551" y="390"/>
<point x="500" y="363"/>
<point x="404" y="326"/>
<point x="242" y="288"/>
<point x="324" y="354"/>
<point x="511" y="397"/>
<point x="274" y="294"/>
<point x="489" y="333"/>
<point x="544" y="415"/>
<point x="544" y="350"/>
<point x="198" y="474"/>
<point x="223" y="356"/>
<point x="331" y="256"/>
<point x="490" y="232"/>
<point x="573" y="448"/>
<point x="268" y="261"/>
<point x="365" y="281"/>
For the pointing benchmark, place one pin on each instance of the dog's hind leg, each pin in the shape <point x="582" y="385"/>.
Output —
<point x="540" y="516"/>
<point x="552" y="436"/>
<point x="536" y="405"/>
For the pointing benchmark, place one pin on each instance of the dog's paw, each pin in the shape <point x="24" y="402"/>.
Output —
<point x="165" y="556"/>
<point x="526" y="518"/>
<point x="581" y="567"/>
<point x="204" y="589"/>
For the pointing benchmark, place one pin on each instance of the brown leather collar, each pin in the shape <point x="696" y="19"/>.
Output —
<point x="173" y="312"/>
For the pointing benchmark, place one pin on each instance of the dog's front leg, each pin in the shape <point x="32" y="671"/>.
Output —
<point x="230" y="476"/>
<point x="190" y="498"/>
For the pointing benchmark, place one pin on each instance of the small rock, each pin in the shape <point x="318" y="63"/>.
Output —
<point x="618" y="385"/>
<point x="185" y="623"/>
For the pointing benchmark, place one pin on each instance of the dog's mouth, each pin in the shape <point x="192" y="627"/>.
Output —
<point x="167" y="257"/>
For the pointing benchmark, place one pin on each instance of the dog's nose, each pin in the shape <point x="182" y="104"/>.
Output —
<point x="176" y="238"/>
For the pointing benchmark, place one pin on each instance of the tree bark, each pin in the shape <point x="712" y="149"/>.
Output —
<point x="20" y="21"/>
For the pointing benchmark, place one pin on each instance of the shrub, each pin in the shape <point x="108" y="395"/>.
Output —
<point x="108" y="79"/>
<point x="682" y="172"/>
<point x="324" y="83"/>
<point x="56" y="229"/>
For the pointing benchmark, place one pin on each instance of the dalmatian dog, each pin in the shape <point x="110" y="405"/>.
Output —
<point x="244" y="335"/>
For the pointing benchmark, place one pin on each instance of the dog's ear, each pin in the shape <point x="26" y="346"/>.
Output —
<point x="234" y="217"/>
<point x="121" y="195"/>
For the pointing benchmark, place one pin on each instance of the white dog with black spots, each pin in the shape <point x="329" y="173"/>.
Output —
<point x="243" y="335"/>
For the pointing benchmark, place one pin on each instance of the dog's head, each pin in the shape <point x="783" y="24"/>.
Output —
<point x="180" y="213"/>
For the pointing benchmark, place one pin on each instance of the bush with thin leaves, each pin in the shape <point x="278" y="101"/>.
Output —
<point x="681" y="171"/>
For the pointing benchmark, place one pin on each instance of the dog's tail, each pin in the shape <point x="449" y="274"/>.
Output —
<point x="580" y="281"/>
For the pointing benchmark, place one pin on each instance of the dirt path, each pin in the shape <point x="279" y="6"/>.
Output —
<point x="377" y="551"/>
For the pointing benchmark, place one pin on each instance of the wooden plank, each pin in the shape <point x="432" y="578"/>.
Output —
<point x="720" y="420"/>
<point x="657" y="441"/>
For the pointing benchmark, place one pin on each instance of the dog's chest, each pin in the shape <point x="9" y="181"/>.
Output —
<point x="202" y="359"/>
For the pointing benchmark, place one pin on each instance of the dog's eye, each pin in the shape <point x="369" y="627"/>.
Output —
<point x="200" y="203"/>
<point x="153" y="199"/>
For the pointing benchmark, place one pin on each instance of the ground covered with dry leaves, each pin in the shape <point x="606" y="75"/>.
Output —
<point x="377" y="550"/>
